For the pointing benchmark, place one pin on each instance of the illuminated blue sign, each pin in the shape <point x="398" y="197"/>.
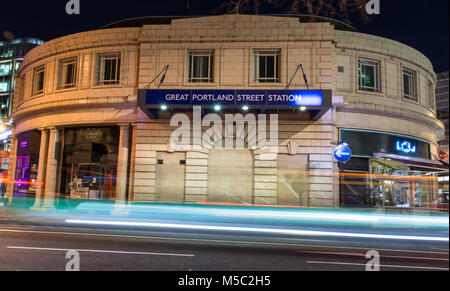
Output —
<point x="257" y="98"/>
<point x="368" y="143"/>
<point x="342" y="153"/>
<point x="295" y="98"/>
<point x="405" y="147"/>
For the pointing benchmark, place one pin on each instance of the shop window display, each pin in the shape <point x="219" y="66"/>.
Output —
<point x="27" y="164"/>
<point x="397" y="185"/>
<point x="90" y="163"/>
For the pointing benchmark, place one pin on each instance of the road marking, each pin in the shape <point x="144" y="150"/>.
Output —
<point x="383" y="256"/>
<point x="178" y="239"/>
<point x="100" y="251"/>
<point x="257" y="230"/>
<point x="384" y="266"/>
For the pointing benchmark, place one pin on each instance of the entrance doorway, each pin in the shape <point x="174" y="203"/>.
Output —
<point x="293" y="180"/>
<point x="230" y="176"/>
<point x="170" y="177"/>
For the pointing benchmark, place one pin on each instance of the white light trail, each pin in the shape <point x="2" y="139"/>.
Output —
<point x="258" y="230"/>
<point x="100" y="251"/>
<point x="358" y="218"/>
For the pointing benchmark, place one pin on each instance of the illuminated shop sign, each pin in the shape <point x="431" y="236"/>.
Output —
<point x="368" y="143"/>
<point x="23" y="144"/>
<point x="406" y="147"/>
<point x="256" y="98"/>
<point x="5" y="134"/>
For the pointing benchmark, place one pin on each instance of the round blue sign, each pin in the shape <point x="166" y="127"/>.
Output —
<point x="342" y="153"/>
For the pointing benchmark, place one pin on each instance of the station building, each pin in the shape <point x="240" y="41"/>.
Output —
<point x="94" y="115"/>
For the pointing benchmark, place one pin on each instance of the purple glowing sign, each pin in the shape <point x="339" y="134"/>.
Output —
<point x="23" y="144"/>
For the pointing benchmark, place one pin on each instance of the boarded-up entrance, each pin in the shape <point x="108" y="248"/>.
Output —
<point x="170" y="177"/>
<point x="293" y="180"/>
<point x="230" y="176"/>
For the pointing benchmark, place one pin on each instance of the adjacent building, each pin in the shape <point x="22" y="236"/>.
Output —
<point x="95" y="115"/>
<point x="442" y="104"/>
<point x="11" y="56"/>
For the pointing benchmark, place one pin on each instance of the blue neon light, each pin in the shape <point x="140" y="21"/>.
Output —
<point x="406" y="147"/>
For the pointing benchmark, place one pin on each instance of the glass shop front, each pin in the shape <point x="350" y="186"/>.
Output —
<point x="28" y="146"/>
<point x="389" y="171"/>
<point x="89" y="163"/>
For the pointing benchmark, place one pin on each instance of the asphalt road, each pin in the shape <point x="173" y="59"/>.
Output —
<point x="26" y="248"/>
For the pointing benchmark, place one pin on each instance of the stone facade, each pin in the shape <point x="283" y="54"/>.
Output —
<point x="145" y="51"/>
<point x="442" y="104"/>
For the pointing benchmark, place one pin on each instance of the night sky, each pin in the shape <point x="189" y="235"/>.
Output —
<point x="422" y="24"/>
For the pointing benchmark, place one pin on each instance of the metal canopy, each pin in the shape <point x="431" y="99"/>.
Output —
<point x="316" y="102"/>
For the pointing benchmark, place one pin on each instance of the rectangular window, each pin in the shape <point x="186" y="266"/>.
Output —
<point x="409" y="85"/>
<point x="200" y="66"/>
<point x="4" y="87"/>
<point x="266" y="66"/>
<point x="431" y="96"/>
<point x="68" y="73"/>
<point x="17" y="65"/>
<point x="369" y="76"/>
<point x="109" y="69"/>
<point x="5" y="69"/>
<point x="38" y="80"/>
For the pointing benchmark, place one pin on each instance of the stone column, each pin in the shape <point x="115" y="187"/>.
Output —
<point x="12" y="168"/>
<point x="122" y="163"/>
<point x="41" y="167"/>
<point x="132" y="162"/>
<point x="60" y="158"/>
<point x="52" y="169"/>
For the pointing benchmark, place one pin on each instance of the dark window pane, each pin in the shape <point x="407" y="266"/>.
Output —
<point x="70" y="75"/>
<point x="369" y="76"/>
<point x="117" y="69"/>
<point x="356" y="164"/>
<point x="270" y="71"/>
<point x="108" y="70"/>
<point x="262" y="66"/>
<point x="200" y="67"/>
<point x="406" y="85"/>
<point x="40" y="86"/>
